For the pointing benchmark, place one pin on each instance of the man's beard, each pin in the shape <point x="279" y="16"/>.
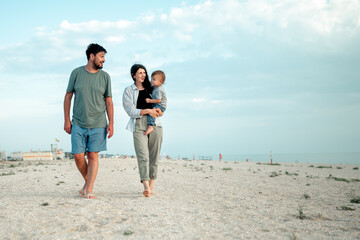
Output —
<point x="97" y="67"/>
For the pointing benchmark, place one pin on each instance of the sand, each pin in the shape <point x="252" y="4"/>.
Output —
<point x="192" y="200"/>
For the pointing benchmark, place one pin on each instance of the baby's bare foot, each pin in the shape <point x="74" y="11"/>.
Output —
<point x="149" y="130"/>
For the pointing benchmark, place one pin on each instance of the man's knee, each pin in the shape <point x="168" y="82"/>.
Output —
<point x="93" y="156"/>
<point x="79" y="156"/>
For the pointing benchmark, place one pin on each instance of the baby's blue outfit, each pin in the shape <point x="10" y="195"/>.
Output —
<point x="158" y="93"/>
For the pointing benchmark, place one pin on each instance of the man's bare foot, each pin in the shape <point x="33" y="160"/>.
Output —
<point x="90" y="196"/>
<point x="82" y="192"/>
<point x="149" y="130"/>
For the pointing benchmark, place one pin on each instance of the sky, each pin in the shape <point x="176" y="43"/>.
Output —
<point x="242" y="77"/>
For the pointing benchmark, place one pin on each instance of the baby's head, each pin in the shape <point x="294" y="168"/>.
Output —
<point x="157" y="78"/>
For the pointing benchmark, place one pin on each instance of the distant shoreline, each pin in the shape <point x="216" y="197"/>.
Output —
<point x="310" y="158"/>
<point x="349" y="158"/>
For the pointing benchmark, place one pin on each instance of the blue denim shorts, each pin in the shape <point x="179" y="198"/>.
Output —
<point x="87" y="139"/>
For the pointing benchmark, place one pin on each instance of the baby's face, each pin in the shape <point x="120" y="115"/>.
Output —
<point x="156" y="80"/>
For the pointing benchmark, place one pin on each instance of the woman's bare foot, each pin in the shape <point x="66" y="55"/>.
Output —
<point x="149" y="130"/>
<point x="151" y="185"/>
<point x="147" y="192"/>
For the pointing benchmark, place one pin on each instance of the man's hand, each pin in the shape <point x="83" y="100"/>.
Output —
<point x="148" y="100"/>
<point x="110" y="130"/>
<point x="67" y="103"/>
<point x="67" y="127"/>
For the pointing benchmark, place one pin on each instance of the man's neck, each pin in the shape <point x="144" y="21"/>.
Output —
<point x="90" y="68"/>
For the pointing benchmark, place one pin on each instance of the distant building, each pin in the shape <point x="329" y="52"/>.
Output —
<point x="68" y="155"/>
<point x="25" y="156"/>
<point x="40" y="155"/>
<point x="3" y="156"/>
<point x="17" y="156"/>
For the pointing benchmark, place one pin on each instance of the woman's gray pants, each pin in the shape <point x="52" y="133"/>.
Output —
<point x="147" y="148"/>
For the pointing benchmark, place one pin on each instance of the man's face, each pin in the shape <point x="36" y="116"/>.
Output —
<point x="99" y="60"/>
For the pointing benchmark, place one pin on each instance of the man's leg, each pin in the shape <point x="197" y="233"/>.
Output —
<point x="96" y="143"/>
<point x="78" y="144"/>
<point x="92" y="169"/>
<point x="83" y="168"/>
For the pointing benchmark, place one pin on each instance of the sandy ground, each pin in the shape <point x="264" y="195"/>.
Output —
<point x="193" y="200"/>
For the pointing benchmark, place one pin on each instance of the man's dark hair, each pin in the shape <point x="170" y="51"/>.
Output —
<point x="94" y="48"/>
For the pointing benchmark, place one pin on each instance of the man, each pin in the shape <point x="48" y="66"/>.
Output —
<point x="93" y="99"/>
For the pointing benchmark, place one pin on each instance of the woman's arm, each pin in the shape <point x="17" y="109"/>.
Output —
<point x="130" y="107"/>
<point x="152" y="112"/>
<point x="128" y="104"/>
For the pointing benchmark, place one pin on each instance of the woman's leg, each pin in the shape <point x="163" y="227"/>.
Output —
<point x="155" y="140"/>
<point x="142" y="153"/>
<point x="151" y="185"/>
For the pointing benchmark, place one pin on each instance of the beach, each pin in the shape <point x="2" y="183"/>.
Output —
<point x="193" y="199"/>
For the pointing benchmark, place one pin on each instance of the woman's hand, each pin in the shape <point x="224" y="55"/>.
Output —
<point x="148" y="100"/>
<point x="153" y="112"/>
<point x="159" y="112"/>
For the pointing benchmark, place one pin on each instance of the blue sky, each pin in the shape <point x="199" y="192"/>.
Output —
<point x="243" y="77"/>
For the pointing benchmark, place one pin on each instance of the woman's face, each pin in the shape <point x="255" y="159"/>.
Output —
<point x="140" y="75"/>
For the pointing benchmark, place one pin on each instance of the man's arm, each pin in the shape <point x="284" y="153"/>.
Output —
<point x="67" y="105"/>
<point x="110" y="114"/>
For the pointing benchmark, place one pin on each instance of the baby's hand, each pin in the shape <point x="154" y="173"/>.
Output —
<point x="148" y="100"/>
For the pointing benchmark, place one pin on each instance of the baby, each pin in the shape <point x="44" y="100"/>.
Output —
<point x="158" y="95"/>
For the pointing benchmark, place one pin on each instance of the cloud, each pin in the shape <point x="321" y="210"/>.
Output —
<point x="198" y="100"/>
<point x="289" y="21"/>
<point x="116" y="39"/>
<point x="148" y="19"/>
<point x="182" y="37"/>
<point x="94" y="25"/>
<point x="226" y="29"/>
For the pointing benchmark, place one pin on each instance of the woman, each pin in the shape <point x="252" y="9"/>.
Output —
<point x="147" y="147"/>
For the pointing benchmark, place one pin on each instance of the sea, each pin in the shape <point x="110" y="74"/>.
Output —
<point x="313" y="158"/>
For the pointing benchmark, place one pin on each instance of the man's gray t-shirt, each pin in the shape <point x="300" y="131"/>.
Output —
<point x="90" y="90"/>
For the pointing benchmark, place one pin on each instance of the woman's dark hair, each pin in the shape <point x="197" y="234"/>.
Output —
<point x="146" y="83"/>
<point x="94" y="48"/>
